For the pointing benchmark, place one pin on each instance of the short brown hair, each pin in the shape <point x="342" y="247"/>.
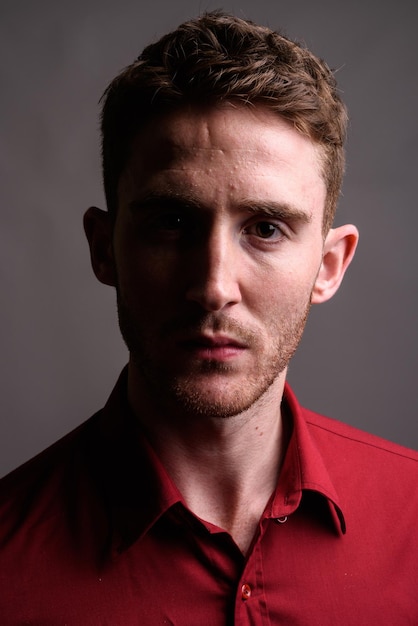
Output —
<point x="219" y="57"/>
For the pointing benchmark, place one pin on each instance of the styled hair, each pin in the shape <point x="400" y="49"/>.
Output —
<point x="219" y="58"/>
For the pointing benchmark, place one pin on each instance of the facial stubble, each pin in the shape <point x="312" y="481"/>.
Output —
<point x="179" y="392"/>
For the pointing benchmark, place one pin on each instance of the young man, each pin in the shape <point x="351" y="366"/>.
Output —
<point x="203" y="494"/>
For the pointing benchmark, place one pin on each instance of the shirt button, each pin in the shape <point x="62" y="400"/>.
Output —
<point x="245" y="591"/>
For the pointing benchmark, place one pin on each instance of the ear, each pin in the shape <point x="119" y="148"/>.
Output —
<point x="98" y="228"/>
<point x="339" y="248"/>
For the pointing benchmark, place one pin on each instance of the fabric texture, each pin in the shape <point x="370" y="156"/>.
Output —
<point x="93" y="531"/>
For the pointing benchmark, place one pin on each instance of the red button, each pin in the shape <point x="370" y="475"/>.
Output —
<point x="245" y="591"/>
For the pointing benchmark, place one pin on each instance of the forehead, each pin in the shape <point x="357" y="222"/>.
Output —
<point x="226" y="127"/>
<point x="226" y="148"/>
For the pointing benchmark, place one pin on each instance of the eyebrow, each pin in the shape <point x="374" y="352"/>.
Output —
<point x="170" y="200"/>
<point x="181" y="200"/>
<point x="278" y="210"/>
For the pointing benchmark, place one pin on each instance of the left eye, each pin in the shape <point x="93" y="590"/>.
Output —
<point x="264" y="230"/>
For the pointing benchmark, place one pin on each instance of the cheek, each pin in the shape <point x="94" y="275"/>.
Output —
<point x="137" y="263"/>
<point x="282" y="288"/>
<point x="146" y="282"/>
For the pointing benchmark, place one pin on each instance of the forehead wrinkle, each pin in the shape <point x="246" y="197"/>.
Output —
<point x="184" y="157"/>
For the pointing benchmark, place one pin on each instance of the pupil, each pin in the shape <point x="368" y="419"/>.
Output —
<point x="171" y="222"/>
<point x="265" y="229"/>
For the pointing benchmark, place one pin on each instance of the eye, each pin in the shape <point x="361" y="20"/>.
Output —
<point x="265" y="230"/>
<point x="166" y="225"/>
<point x="169" y="221"/>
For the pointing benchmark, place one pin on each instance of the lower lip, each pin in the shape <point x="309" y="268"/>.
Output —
<point x="214" y="353"/>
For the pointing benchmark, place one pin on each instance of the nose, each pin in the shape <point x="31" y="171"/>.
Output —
<point x="214" y="272"/>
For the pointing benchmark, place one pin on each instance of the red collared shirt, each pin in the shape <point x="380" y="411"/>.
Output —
<point x="94" y="532"/>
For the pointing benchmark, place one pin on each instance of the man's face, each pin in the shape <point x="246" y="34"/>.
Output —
<point x="217" y="245"/>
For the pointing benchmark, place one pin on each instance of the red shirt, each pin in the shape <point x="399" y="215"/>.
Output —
<point x="94" y="532"/>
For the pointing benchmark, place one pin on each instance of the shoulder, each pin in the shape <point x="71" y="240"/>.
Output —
<point x="368" y="472"/>
<point x="375" y="481"/>
<point x="342" y="444"/>
<point x="41" y="482"/>
<point x="330" y="431"/>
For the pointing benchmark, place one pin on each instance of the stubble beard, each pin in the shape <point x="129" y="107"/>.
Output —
<point x="179" y="393"/>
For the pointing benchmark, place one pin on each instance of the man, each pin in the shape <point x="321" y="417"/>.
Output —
<point x="203" y="494"/>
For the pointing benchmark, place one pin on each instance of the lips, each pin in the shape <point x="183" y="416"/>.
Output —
<point x="214" y="347"/>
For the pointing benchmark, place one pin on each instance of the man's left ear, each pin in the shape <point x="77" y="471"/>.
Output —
<point x="339" y="248"/>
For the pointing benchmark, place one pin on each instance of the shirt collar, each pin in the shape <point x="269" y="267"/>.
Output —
<point x="137" y="490"/>
<point x="135" y="486"/>
<point x="303" y="468"/>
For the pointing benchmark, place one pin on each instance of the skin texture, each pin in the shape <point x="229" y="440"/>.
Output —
<point x="217" y="254"/>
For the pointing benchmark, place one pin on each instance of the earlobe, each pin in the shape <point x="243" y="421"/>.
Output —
<point x="339" y="248"/>
<point x="98" y="229"/>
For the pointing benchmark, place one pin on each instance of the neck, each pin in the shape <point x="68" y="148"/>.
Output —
<point x="225" y="468"/>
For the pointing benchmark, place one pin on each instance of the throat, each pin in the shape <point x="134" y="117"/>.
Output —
<point x="232" y="501"/>
<point x="226" y="470"/>
<point x="241" y="524"/>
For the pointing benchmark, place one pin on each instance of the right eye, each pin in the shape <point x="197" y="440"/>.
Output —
<point x="167" y="226"/>
<point x="169" y="221"/>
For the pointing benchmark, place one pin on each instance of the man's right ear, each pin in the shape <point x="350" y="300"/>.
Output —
<point x="98" y="228"/>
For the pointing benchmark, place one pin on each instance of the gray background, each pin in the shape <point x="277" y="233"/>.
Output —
<point x="61" y="350"/>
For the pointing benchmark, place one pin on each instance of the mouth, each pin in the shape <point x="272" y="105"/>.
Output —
<point x="213" y="347"/>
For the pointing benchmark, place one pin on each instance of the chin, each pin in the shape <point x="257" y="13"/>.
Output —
<point x="218" y="399"/>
